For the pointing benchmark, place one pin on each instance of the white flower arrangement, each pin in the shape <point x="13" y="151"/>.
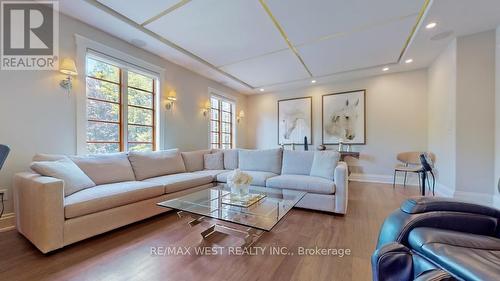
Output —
<point x="237" y="177"/>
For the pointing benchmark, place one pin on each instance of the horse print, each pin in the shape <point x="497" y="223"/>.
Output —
<point x="294" y="120"/>
<point x="343" y="118"/>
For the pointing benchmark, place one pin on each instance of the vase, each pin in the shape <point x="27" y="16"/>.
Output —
<point x="239" y="189"/>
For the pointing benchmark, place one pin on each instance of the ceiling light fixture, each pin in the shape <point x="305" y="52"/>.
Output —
<point x="385" y="69"/>
<point x="262" y="90"/>
<point x="409" y="61"/>
<point x="313" y="81"/>
<point x="431" y="25"/>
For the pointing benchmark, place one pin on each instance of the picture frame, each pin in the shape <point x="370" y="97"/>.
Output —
<point x="343" y="117"/>
<point x="295" y="121"/>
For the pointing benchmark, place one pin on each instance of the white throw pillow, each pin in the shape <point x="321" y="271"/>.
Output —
<point x="214" y="161"/>
<point x="74" y="178"/>
<point x="324" y="164"/>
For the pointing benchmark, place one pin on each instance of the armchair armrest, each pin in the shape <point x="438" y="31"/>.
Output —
<point x="39" y="207"/>
<point x="438" y="213"/>
<point x="341" y="179"/>
<point x="392" y="262"/>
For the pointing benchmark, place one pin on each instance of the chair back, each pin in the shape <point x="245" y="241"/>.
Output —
<point x="4" y="152"/>
<point x="413" y="157"/>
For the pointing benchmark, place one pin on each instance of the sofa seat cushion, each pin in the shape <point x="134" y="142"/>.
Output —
<point x="303" y="183"/>
<point x="259" y="177"/>
<point x="107" y="196"/>
<point x="469" y="256"/>
<point x="178" y="182"/>
<point x="212" y="173"/>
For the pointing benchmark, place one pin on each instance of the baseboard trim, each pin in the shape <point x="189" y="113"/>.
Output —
<point x="8" y="222"/>
<point x="444" y="191"/>
<point x="412" y="179"/>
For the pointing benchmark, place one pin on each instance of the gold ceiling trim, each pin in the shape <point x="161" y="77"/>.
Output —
<point x="283" y="34"/>
<point x="165" y="41"/>
<point x="420" y="17"/>
<point x="167" y="11"/>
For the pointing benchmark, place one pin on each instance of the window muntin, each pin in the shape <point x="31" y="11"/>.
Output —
<point x="221" y="123"/>
<point x="120" y="115"/>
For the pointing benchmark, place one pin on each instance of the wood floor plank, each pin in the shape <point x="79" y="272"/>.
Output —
<point x="124" y="254"/>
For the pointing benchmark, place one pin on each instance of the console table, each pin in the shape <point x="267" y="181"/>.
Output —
<point x="344" y="154"/>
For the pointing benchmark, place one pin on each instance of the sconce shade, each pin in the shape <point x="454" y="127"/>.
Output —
<point x="68" y="67"/>
<point x="242" y="114"/>
<point x="171" y="98"/>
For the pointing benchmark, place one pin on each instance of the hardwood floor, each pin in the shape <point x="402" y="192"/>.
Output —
<point x="125" y="254"/>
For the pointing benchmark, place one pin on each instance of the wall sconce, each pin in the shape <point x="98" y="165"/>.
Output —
<point x="241" y="115"/>
<point x="67" y="67"/>
<point x="170" y="102"/>
<point x="206" y="109"/>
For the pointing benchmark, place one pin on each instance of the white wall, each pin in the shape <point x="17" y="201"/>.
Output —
<point x="441" y="122"/>
<point x="496" y="180"/>
<point x="396" y="118"/>
<point x="39" y="116"/>
<point x="475" y="113"/>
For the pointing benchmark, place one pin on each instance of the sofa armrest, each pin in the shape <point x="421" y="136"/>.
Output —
<point x="392" y="262"/>
<point x="39" y="207"/>
<point x="438" y="213"/>
<point x="341" y="179"/>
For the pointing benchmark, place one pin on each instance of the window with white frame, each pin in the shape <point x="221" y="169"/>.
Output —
<point x="222" y="127"/>
<point x="121" y="107"/>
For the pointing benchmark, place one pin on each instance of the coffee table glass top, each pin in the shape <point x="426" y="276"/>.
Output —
<point x="213" y="203"/>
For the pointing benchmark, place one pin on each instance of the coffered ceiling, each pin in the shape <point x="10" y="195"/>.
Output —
<point x="269" y="44"/>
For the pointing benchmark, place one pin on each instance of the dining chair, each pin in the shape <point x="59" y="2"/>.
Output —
<point x="4" y="152"/>
<point x="410" y="163"/>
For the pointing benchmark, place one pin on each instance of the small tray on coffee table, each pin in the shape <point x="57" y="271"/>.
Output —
<point x="242" y="200"/>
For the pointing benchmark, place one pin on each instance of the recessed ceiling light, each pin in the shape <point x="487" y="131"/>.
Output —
<point x="409" y="61"/>
<point x="431" y="25"/>
<point x="385" y="69"/>
<point x="262" y="90"/>
<point x="313" y="81"/>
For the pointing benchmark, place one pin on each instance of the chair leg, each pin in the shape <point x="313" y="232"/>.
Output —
<point x="433" y="183"/>
<point x="419" y="182"/>
<point x="394" y="180"/>
<point x="428" y="184"/>
<point x="404" y="184"/>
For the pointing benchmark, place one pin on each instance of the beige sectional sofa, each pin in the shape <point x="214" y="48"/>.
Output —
<point x="128" y="186"/>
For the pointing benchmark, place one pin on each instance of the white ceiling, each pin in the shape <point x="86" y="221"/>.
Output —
<point x="243" y="45"/>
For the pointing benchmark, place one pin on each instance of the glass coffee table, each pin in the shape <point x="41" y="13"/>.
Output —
<point x="248" y="223"/>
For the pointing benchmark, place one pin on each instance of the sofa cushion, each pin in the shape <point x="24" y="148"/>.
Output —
<point x="469" y="256"/>
<point x="212" y="173"/>
<point x="303" y="183"/>
<point x="105" y="168"/>
<point x="156" y="163"/>
<point x="214" y="161"/>
<point x="48" y="157"/>
<point x="107" y="196"/>
<point x="230" y="158"/>
<point x="324" y="164"/>
<point x="297" y="162"/>
<point x="193" y="160"/>
<point x="178" y="182"/>
<point x="74" y="178"/>
<point x="259" y="177"/>
<point x="266" y="160"/>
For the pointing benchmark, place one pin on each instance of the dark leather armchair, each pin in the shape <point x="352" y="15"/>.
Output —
<point x="439" y="239"/>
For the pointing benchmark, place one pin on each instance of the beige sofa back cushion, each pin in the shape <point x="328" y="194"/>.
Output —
<point x="73" y="177"/>
<point x="105" y="168"/>
<point x="193" y="160"/>
<point x="157" y="163"/>
<point x="266" y="160"/>
<point x="230" y="158"/>
<point x="297" y="162"/>
<point x="324" y="164"/>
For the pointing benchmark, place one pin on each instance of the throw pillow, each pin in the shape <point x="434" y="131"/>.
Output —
<point x="74" y="178"/>
<point x="214" y="161"/>
<point x="324" y="164"/>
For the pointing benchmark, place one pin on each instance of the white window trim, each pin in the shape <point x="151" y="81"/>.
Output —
<point x="223" y="96"/>
<point x="119" y="58"/>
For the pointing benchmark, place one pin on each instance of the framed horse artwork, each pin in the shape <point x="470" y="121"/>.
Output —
<point x="344" y="118"/>
<point x="295" y="121"/>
